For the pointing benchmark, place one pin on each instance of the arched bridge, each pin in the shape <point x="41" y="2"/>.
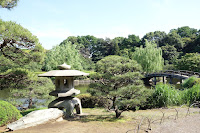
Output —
<point x="171" y="74"/>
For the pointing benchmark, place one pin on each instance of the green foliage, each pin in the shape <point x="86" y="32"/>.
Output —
<point x="190" y="62"/>
<point x="169" y="53"/>
<point x="6" y="64"/>
<point x="37" y="90"/>
<point x="188" y="83"/>
<point x="89" y="101"/>
<point x="16" y="40"/>
<point x="186" y="31"/>
<point x="150" y="57"/>
<point x="8" y="113"/>
<point x="119" y="80"/>
<point x="65" y="53"/>
<point x="8" y="3"/>
<point x="193" y="45"/>
<point x="130" y="42"/>
<point x="25" y="84"/>
<point x="164" y="95"/>
<point x="191" y="95"/>
<point x="17" y="78"/>
<point x="174" y="39"/>
<point x="156" y="37"/>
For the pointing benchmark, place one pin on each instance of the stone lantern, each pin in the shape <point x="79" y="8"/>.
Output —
<point x="64" y="82"/>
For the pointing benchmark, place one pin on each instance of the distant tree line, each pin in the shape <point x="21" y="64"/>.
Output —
<point x="177" y="44"/>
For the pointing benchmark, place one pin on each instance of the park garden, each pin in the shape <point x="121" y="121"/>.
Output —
<point x="116" y="67"/>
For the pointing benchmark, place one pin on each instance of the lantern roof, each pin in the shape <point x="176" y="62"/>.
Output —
<point x="63" y="73"/>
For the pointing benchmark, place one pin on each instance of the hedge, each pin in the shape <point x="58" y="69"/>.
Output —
<point x="8" y="113"/>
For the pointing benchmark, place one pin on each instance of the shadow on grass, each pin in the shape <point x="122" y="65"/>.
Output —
<point x="100" y="118"/>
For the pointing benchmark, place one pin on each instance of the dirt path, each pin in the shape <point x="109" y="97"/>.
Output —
<point x="190" y="124"/>
<point x="78" y="127"/>
<point x="101" y="122"/>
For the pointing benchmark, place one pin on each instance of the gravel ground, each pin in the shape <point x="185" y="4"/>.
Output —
<point x="189" y="124"/>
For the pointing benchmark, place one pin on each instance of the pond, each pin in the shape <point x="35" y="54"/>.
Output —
<point x="5" y="94"/>
<point x="39" y="103"/>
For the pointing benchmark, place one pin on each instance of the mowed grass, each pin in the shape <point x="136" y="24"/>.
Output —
<point x="102" y="115"/>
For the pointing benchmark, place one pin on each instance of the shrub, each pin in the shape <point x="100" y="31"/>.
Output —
<point x="164" y="95"/>
<point x="8" y="113"/>
<point x="188" y="83"/>
<point x="192" y="94"/>
<point x="88" y="101"/>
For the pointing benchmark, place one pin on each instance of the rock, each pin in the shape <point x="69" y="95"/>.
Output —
<point x="67" y="103"/>
<point x="35" y="118"/>
<point x="65" y="93"/>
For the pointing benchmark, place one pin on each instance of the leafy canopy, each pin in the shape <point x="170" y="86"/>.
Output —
<point x="18" y="44"/>
<point x="8" y="3"/>
<point x="190" y="61"/>
<point x="65" y="53"/>
<point x="149" y="57"/>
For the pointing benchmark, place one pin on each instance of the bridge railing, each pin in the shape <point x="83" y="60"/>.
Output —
<point x="181" y="72"/>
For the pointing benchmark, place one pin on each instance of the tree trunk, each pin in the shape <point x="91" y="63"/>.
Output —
<point x="30" y="103"/>
<point x="118" y="113"/>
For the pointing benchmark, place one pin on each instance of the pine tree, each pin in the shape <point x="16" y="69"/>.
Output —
<point x="119" y="80"/>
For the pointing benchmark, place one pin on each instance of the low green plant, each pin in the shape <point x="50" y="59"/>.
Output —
<point x="89" y="101"/>
<point x="164" y="95"/>
<point x="188" y="83"/>
<point x="191" y="95"/>
<point x="8" y="113"/>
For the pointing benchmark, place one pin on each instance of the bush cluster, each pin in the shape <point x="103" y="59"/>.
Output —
<point x="88" y="101"/>
<point x="8" y="113"/>
<point x="166" y="95"/>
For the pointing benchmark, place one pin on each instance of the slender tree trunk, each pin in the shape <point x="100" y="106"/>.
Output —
<point x="30" y="103"/>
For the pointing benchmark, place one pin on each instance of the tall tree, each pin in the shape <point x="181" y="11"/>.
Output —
<point x="149" y="57"/>
<point x="119" y="80"/>
<point x="190" y="62"/>
<point x="65" y="53"/>
<point x="156" y="37"/>
<point x="169" y="53"/>
<point x="102" y="49"/>
<point x="186" y="31"/>
<point x="130" y="42"/>
<point x="174" y="39"/>
<point x="119" y="41"/>
<point x="193" y="46"/>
